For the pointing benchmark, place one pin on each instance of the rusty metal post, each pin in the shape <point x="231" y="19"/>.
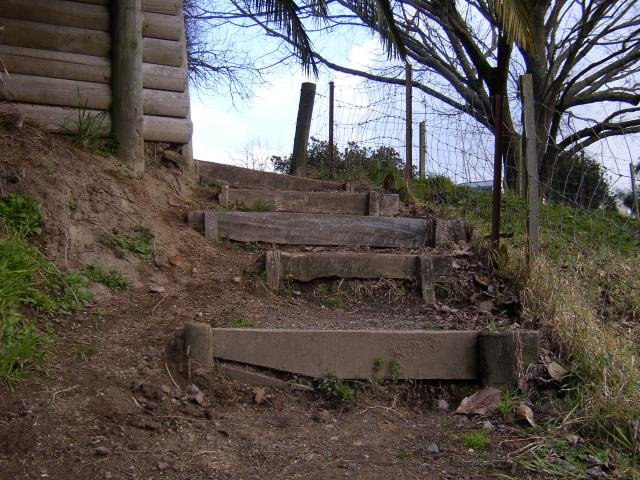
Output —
<point x="331" y="144"/>
<point x="408" y="127"/>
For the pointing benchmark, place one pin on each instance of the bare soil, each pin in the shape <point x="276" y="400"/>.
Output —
<point x="121" y="411"/>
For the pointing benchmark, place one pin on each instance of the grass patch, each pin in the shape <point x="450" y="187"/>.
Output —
<point x="82" y="351"/>
<point x="139" y="244"/>
<point x="404" y="454"/>
<point x="21" y="214"/>
<point x="240" y="323"/>
<point x="333" y="302"/>
<point x="112" y="279"/>
<point x="88" y="133"/>
<point x="210" y="184"/>
<point x="337" y="389"/>
<point x="476" y="439"/>
<point x="31" y="287"/>
<point x="258" y="207"/>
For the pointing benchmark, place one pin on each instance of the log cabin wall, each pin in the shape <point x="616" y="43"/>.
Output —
<point x="57" y="55"/>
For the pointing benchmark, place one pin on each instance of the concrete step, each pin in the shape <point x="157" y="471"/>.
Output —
<point x="317" y="229"/>
<point x="304" y="267"/>
<point x="358" y="354"/>
<point x="238" y="177"/>
<point x="341" y="203"/>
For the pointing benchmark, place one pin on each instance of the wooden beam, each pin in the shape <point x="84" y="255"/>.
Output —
<point x="342" y="203"/>
<point x="166" y="7"/>
<point x="22" y="33"/>
<point x="65" y="120"/>
<point x="71" y="93"/>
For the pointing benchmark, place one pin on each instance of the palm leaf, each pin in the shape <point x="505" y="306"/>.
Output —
<point x="515" y="17"/>
<point x="380" y="13"/>
<point x="284" y="14"/>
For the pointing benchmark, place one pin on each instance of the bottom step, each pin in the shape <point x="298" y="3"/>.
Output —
<point x="491" y="357"/>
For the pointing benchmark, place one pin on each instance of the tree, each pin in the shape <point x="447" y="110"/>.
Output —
<point x="584" y="61"/>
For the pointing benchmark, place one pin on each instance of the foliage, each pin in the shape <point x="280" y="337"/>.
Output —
<point x="139" y="244"/>
<point x="579" y="181"/>
<point x="82" y="351"/>
<point x="21" y="214"/>
<point x="354" y="163"/>
<point x="336" y="388"/>
<point x="112" y="279"/>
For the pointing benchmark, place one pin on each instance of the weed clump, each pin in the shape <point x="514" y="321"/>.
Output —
<point x="476" y="439"/>
<point x="140" y="244"/>
<point x="21" y="215"/>
<point x="336" y="389"/>
<point x="112" y="279"/>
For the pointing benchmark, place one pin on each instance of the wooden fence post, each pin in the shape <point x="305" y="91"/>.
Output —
<point x="303" y="125"/>
<point x="531" y="155"/>
<point x="126" y="65"/>
<point x="634" y="190"/>
<point x="190" y="166"/>
<point x="423" y="149"/>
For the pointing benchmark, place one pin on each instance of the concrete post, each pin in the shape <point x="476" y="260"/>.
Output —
<point x="211" y="226"/>
<point x="198" y="343"/>
<point x="374" y="204"/>
<point x="426" y="278"/>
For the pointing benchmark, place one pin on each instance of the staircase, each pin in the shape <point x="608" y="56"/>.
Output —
<point x="362" y="238"/>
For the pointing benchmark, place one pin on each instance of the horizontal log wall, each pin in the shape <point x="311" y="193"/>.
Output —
<point x="57" y="53"/>
<point x="65" y="120"/>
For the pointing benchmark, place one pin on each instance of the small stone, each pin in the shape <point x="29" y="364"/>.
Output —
<point x="156" y="288"/>
<point x="103" y="451"/>
<point x="172" y="157"/>
<point x="163" y="465"/>
<point x="175" y="260"/>
<point x="487" y="425"/>
<point x="296" y="293"/>
<point x="194" y="394"/>
<point x="597" y="472"/>
<point x="433" y="449"/>
<point x="442" y="405"/>
<point x="194" y="270"/>
<point x="165" y="389"/>
<point x="236" y="279"/>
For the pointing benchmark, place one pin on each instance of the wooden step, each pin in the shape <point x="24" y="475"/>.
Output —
<point x="316" y="229"/>
<point x="494" y="357"/>
<point x="304" y="267"/>
<point x="341" y="203"/>
<point x="238" y="177"/>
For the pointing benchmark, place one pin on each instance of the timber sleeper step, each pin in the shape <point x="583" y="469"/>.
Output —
<point x="342" y="203"/>
<point x="319" y="229"/>
<point x="304" y="267"/>
<point x="492" y="357"/>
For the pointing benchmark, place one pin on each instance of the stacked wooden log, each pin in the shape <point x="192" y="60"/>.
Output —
<point x="57" y="53"/>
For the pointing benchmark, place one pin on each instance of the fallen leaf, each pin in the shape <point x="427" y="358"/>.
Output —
<point x="175" y="260"/>
<point x="524" y="411"/>
<point x="194" y="394"/>
<point x="481" y="280"/>
<point x="258" y="395"/>
<point x="487" y="306"/>
<point x="481" y="402"/>
<point x="556" y="371"/>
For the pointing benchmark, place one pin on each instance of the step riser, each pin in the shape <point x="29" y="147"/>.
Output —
<point x="246" y="178"/>
<point x="352" y="354"/>
<point x="327" y="230"/>
<point x="304" y="267"/>
<point x="372" y="203"/>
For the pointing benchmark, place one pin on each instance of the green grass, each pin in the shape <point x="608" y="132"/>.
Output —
<point x="258" y="207"/>
<point x="88" y="132"/>
<point x="404" y="454"/>
<point x="210" y="184"/>
<point x="112" y="279"/>
<point x="139" y="244"/>
<point x="32" y="290"/>
<point x="241" y="323"/>
<point x="476" y="439"/>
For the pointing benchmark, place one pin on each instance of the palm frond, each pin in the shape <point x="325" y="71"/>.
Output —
<point x="515" y="17"/>
<point x="380" y="13"/>
<point x="284" y="14"/>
